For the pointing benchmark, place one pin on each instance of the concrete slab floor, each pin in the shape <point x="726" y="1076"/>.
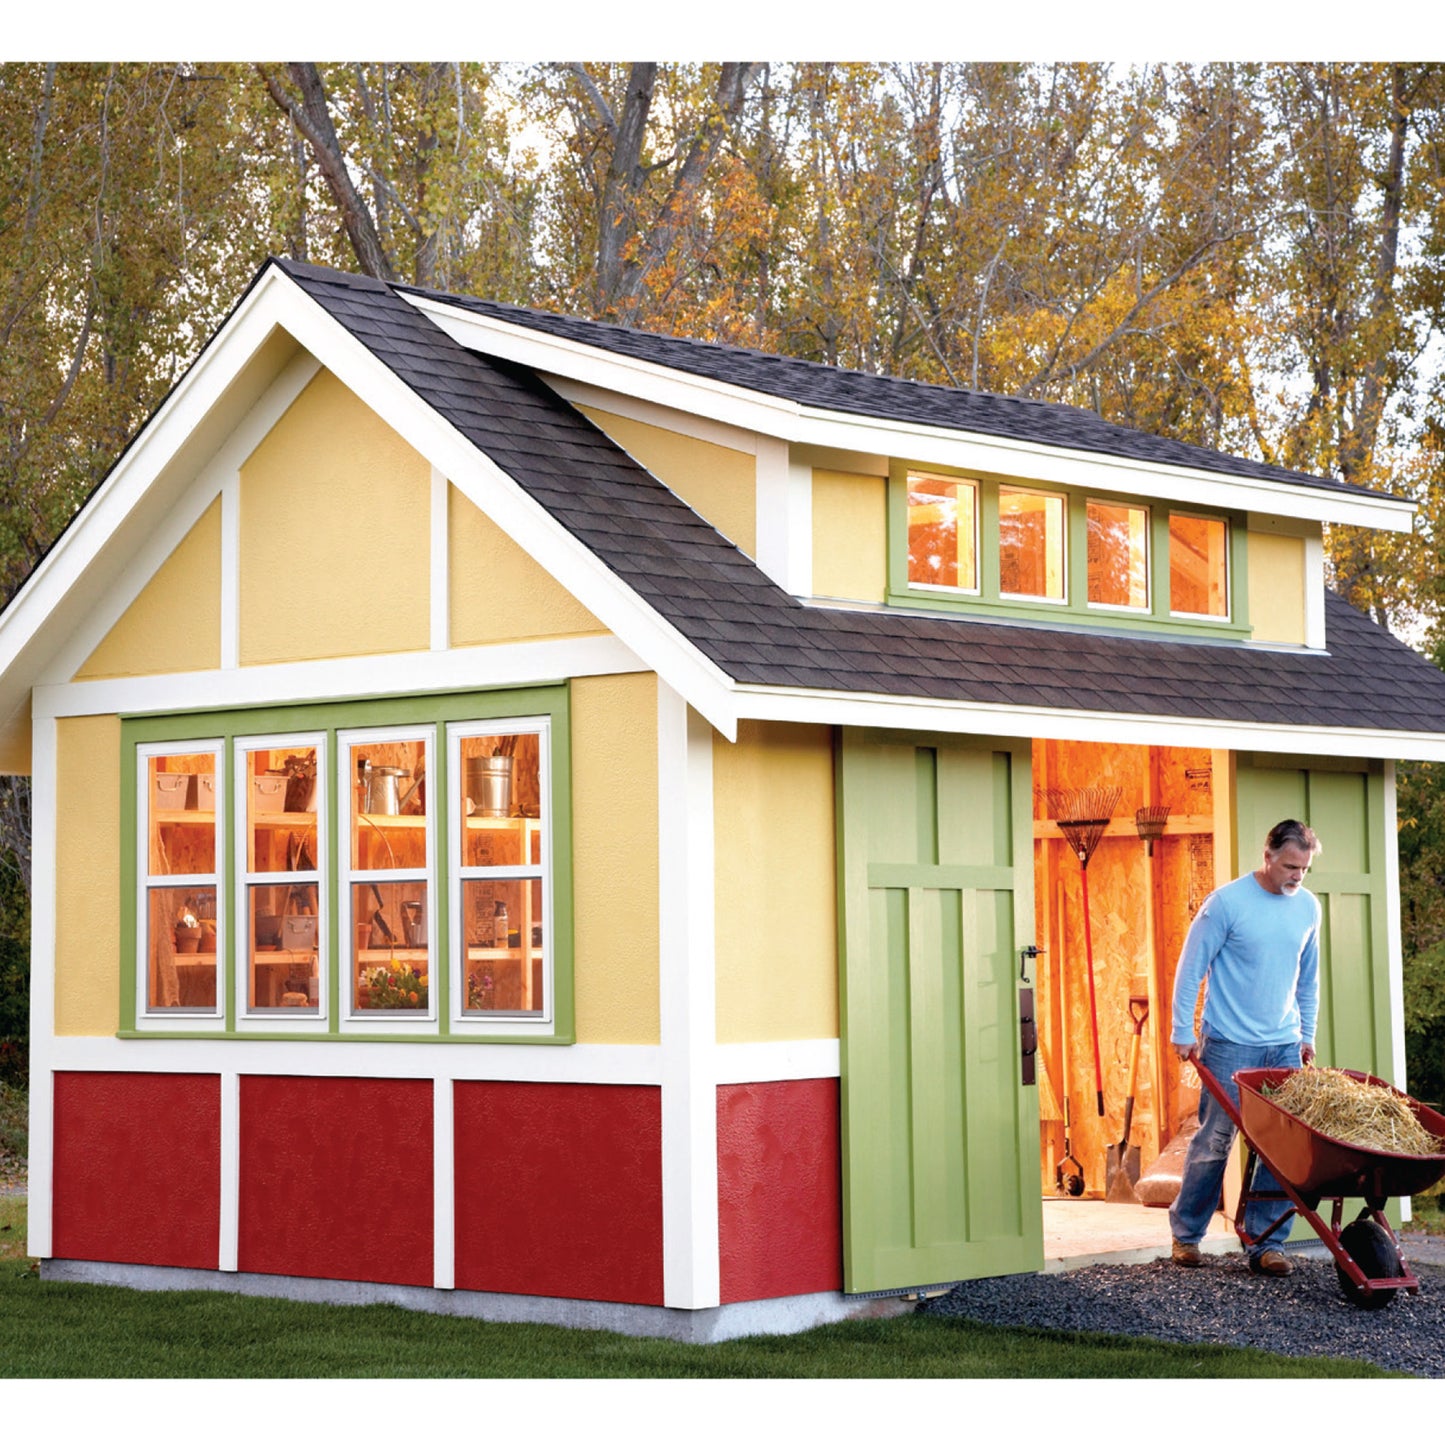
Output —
<point x="1079" y="1232"/>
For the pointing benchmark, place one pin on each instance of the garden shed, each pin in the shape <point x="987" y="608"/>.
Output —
<point x="547" y="821"/>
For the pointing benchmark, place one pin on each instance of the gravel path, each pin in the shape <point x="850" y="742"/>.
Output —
<point x="1222" y="1304"/>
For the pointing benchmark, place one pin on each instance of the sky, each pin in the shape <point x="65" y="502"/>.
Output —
<point x="670" y="30"/>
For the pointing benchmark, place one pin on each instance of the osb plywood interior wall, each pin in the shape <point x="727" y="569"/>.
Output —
<point x="1140" y="908"/>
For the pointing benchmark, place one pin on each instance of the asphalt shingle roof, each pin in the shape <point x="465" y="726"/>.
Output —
<point x="756" y="633"/>
<point x="833" y="388"/>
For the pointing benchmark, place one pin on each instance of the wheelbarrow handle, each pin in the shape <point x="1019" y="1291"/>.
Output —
<point x="1220" y="1094"/>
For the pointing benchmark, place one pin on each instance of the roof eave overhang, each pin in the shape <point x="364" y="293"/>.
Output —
<point x="928" y="715"/>
<point x="569" y="364"/>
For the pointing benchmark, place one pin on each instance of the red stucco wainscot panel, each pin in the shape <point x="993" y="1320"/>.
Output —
<point x="559" y="1190"/>
<point x="138" y="1168"/>
<point x="336" y="1178"/>
<point x="780" y="1196"/>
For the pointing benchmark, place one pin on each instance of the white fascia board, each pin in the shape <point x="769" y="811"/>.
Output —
<point x="203" y="408"/>
<point x="604" y="594"/>
<point x="790" y="421"/>
<point x="1000" y="720"/>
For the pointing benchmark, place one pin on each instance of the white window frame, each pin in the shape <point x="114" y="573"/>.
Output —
<point x="1216" y="618"/>
<point x="283" y="1020"/>
<point x="353" y="1020"/>
<point x="1123" y="607"/>
<point x="188" y="1017"/>
<point x="945" y="589"/>
<point x="1034" y="598"/>
<point x="458" y="874"/>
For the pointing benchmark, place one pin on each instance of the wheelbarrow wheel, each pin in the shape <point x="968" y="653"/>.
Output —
<point x="1374" y="1251"/>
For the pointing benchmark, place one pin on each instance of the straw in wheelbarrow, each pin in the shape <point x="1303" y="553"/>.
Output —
<point x="1365" y="1115"/>
<point x="1082" y="815"/>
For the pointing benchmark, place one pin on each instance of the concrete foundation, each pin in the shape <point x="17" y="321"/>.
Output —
<point x="699" y="1327"/>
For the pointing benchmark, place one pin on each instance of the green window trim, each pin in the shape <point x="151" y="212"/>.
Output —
<point x="330" y="719"/>
<point x="989" y="602"/>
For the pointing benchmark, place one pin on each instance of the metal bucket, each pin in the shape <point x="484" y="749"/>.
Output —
<point x="489" y="786"/>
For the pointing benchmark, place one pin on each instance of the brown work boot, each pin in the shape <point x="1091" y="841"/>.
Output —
<point x="1271" y="1262"/>
<point x="1187" y="1255"/>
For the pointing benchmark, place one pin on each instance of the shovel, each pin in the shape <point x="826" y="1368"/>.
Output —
<point x="1121" y="1165"/>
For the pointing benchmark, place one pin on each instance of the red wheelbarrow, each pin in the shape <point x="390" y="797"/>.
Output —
<point x="1311" y="1168"/>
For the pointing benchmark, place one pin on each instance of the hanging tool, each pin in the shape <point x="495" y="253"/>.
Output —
<point x="1082" y="814"/>
<point x="1150" y="822"/>
<point x="1068" y="1173"/>
<point x="1121" y="1164"/>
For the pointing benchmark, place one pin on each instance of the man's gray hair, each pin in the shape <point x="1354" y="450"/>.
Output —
<point x="1292" y="833"/>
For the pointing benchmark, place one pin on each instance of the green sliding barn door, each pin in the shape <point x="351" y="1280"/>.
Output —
<point x="1344" y="802"/>
<point x="940" y="1136"/>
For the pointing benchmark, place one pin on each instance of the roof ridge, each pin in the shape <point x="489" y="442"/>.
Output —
<point x="733" y="348"/>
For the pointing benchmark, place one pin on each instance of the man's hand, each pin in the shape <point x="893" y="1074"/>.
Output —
<point x="1306" y="1053"/>
<point x="1189" y="1052"/>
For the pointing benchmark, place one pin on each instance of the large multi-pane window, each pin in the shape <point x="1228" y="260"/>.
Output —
<point x="991" y="544"/>
<point x="387" y="878"/>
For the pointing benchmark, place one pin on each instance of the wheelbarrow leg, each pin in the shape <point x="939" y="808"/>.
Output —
<point x="1248" y="1195"/>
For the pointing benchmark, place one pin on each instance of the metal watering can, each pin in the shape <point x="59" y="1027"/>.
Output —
<point x="381" y="788"/>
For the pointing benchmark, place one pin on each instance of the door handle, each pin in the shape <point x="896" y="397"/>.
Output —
<point x="1028" y="1036"/>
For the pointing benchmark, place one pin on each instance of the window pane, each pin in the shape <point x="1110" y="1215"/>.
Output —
<point x="285" y="941"/>
<point x="1030" y="544"/>
<point x="281" y="790"/>
<point x="1198" y="568"/>
<point x="181" y="948"/>
<point x="391" y="956"/>
<point x="500" y="779"/>
<point x="502" y="920"/>
<point x="182" y="812"/>
<point x="1118" y="555"/>
<point x="942" y="532"/>
<point x="389" y="804"/>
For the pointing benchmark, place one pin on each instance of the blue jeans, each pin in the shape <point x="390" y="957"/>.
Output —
<point x="1208" y="1155"/>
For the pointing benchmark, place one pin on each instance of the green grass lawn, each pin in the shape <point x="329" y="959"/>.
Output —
<point x="54" y="1330"/>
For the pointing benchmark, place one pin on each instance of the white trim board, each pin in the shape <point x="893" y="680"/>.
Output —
<point x="465" y="669"/>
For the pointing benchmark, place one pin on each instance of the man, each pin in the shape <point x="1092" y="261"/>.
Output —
<point x="1256" y="943"/>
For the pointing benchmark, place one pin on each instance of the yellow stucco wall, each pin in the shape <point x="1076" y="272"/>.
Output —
<point x="1276" y="587"/>
<point x="717" y="482"/>
<point x="498" y="593"/>
<point x="614" y="844"/>
<point x="174" y="625"/>
<point x="777" y="917"/>
<point x="850" y="535"/>
<point x="335" y="535"/>
<point x="87" y="861"/>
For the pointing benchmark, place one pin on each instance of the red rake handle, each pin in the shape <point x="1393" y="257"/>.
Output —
<point x="1093" y="1007"/>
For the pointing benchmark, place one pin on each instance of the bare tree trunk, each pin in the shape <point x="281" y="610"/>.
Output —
<point x="617" y="218"/>
<point x="312" y="118"/>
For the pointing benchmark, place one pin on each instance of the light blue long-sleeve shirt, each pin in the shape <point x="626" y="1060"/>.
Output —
<point x="1260" y="955"/>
